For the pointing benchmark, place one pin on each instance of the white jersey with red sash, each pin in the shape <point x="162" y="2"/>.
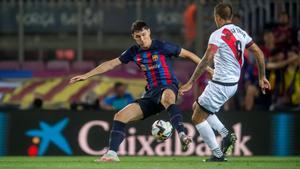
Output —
<point x="231" y="41"/>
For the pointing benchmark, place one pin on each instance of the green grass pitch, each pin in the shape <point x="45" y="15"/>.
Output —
<point x="78" y="162"/>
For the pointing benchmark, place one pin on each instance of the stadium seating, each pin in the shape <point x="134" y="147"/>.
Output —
<point x="82" y="66"/>
<point x="81" y="91"/>
<point x="27" y="88"/>
<point x="33" y="66"/>
<point x="9" y="65"/>
<point x="58" y="65"/>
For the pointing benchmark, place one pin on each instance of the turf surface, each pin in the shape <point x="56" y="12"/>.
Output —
<point x="78" y="162"/>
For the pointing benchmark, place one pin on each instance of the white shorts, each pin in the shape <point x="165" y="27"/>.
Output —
<point x="215" y="95"/>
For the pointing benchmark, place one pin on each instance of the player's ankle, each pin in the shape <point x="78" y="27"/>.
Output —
<point x="112" y="152"/>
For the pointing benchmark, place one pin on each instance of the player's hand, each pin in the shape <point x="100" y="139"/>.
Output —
<point x="77" y="78"/>
<point x="184" y="88"/>
<point x="264" y="84"/>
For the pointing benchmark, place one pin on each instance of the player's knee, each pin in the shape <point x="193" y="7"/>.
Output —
<point x="194" y="106"/>
<point x="120" y="117"/>
<point x="198" y="116"/>
<point x="167" y="102"/>
<point x="195" y="119"/>
<point x="117" y="116"/>
<point x="168" y="99"/>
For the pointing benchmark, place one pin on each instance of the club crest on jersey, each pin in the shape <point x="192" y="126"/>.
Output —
<point x="154" y="57"/>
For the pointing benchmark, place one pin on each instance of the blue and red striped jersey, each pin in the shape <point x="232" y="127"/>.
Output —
<point x="154" y="62"/>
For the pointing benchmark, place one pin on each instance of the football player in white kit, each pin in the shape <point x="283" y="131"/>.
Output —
<point x="226" y="47"/>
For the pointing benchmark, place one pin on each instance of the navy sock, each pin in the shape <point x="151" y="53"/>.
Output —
<point x="117" y="135"/>
<point x="176" y="118"/>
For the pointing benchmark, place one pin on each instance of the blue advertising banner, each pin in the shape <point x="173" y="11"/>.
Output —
<point x="4" y="130"/>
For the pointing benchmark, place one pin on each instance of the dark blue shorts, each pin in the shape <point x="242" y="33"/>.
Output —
<point x="150" y="102"/>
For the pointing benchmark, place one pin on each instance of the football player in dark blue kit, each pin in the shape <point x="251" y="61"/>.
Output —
<point x="152" y="57"/>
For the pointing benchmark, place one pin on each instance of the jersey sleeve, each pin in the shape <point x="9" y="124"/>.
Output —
<point x="214" y="39"/>
<point x="248" y="40"/>
<point x="171" y="49"/>
<point x="127" y="55"/>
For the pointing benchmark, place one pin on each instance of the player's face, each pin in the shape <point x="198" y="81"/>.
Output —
<point x="143" y="38"/>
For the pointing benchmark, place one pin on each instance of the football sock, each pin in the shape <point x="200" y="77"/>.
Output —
<point x="217" y="152"/>
<point x="117" y="135"/>
<point x="217" y="125"/>
<point x="176" y="118"/>
<point x="209" y="138"/>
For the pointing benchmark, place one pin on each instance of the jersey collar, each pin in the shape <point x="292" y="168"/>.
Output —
<point x="226" y="24"/>
<point x="153" y="46"/>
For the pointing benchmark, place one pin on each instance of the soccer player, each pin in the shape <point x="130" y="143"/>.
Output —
<point x="152" y="57"/>
<point x="226" y="46"/>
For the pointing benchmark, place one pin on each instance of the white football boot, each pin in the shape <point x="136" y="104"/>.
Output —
<point x="109" y="156"/>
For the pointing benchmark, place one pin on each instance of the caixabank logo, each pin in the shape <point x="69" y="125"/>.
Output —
<point x="48" y="134"/>
<point x="144" y="144"/>
<point x="137" y="143"/>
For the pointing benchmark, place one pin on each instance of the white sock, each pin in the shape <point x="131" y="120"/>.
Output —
<point x="217" y="125"/>
<point x="217" y="152"/>
<point x="209" y="137"/>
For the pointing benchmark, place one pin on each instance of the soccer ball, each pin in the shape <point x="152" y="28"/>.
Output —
<point x="161" y="130"/>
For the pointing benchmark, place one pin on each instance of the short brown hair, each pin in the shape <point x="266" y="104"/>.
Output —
<point x="138" y="26"/>
<point x="224" y="10"/>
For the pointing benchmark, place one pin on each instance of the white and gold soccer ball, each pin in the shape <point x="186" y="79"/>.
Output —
<point x="161" y="130"/>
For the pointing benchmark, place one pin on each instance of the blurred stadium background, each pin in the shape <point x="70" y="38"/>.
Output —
<point x="45" y="42"/>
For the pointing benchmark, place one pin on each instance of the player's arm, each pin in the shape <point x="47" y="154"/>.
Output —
<point x="206" y="60"/>
<point x="259" y="56"/>
<point x="190" y="55"/>
<point x="102" y="68"/>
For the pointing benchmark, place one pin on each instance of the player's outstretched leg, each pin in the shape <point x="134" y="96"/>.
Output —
<point x="176" y="121"/>
<point x="132" y="112"/>
<point x="168" y="101"/>
<point x="228" y="138"/>
<point x="116" y="137"/>
<point x="199" y="119"/>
